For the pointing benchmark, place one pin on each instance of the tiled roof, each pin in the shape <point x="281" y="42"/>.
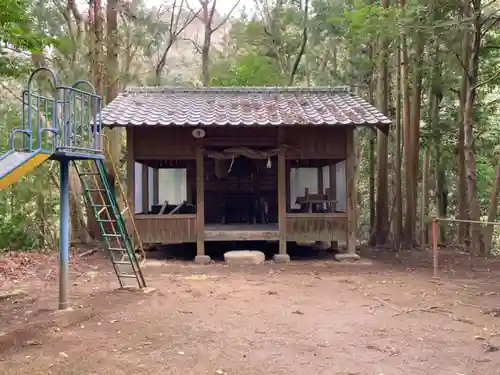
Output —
<point x="240" y="106"/>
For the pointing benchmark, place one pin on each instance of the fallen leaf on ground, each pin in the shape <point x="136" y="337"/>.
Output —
<point x="488" y="348"/>
<point x="33" y="342"/>
<point x="196" y="277"/>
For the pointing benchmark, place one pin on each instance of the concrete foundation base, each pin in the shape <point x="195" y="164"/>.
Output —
<point x="244" y="257"/>
<point x="281" y="258"/>
<point x="347" y="256"/>
<point x="202" y="259"/>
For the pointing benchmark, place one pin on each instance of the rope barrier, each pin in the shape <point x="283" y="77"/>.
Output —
<point x="435" y="249"/>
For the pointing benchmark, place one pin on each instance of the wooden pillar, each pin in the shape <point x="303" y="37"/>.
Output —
<point x="288" y="190"/>
<point x="282" y="256"/>
<point x="130" y="170"/>
<point x="350" y="170"/>
<point x="333" y="183"/>
<point x="145" y="188"/>
<point x="332" y="171"/>
<point x="156" y="186"/>
<point x="200" y="258"/>
<point x="130" y="187"/>
<point x="321" y="188"/>
<point x="189" y="184"/>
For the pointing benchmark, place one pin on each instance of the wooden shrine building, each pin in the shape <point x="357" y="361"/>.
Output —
<point x="230" y="164"/>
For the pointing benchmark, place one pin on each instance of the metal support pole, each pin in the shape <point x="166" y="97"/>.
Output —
<point x="64" y="237"/>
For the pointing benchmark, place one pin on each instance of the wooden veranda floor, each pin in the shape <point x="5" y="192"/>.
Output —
<point x="242" y="232"/>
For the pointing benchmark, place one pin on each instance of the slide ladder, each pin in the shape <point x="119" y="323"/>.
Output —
<point x="112" y="226"/>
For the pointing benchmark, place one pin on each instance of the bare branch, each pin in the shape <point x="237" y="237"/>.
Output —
<point x="302" y="45"/>
<point x="489" y="4"/>
<point x="458" y="57"/>
<point x="267" y="20"/>
<point x="125" y="7"/>
<point x="226" y="17"/>
<point x="212" y="10"/>
<point x="488" y="80"/>
<point x="195" y="44"/>
<point x="76" y="13"/>
<point x="492" y="16"/>
<point x="6" y="88"/>
<point x="493" y="22"/>
<point x="174" y="31"/>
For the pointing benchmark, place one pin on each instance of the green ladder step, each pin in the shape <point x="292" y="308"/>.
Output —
<point x="119" y="224"/>
<point x="116" y="249"/>
<point x="126" y="275"/>
<point x="122" y="263"/>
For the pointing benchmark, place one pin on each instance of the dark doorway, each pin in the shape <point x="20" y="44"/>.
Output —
<point x="241" y="191"/>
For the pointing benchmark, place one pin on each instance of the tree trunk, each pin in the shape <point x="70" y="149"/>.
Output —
<point x="435" y="98"/>
<point x="441" y="196"/>
<point x="433" y="123"/>
<point x="79" y="232"/>
<point x="371" y="159"/>
<point x="41" y="215"/>
<point x="470" y="166"/>
<point x="205" y="60"/>
<point x="424" y="235"/>
<point x="97" y="51"/>
<point x="470" y="160"/>
<point x="207" y="42"/>
<point x="112" y="68"/>
<point x="407" y="134"/>
<point x="97" y="70"/>
<point x="382" y="99"/>
<point x="492" y="209"/>
<point x="463" y="228"/>
<point x="398" y="209"/>
<point x="414" y="138"/>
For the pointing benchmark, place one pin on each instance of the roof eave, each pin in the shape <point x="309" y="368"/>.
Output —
<point x="382" y="126"/>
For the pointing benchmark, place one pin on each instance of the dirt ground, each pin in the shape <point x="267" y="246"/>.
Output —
<point x="383" y="315"/>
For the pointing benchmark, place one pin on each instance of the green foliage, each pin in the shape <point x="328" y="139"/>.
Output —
<point x="247" y="70"/>
<point x="15" y="22"/>
<point x="21" y="218"/>
<point x="368" y="21"/>
<point x="17" y="34"/>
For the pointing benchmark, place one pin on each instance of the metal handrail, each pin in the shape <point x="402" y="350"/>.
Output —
<point x="73" y="112"/>
<point x="25" y="133"/>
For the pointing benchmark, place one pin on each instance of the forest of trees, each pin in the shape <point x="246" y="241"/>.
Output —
<point x="432" y="66"/>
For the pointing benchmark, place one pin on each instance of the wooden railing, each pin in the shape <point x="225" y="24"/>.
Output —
<point x="305" y="227"/>
<point x="166" y="229"/>
<point x="300" y="227"/>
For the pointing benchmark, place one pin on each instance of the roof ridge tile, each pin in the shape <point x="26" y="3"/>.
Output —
<point x="234" y="89"/>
